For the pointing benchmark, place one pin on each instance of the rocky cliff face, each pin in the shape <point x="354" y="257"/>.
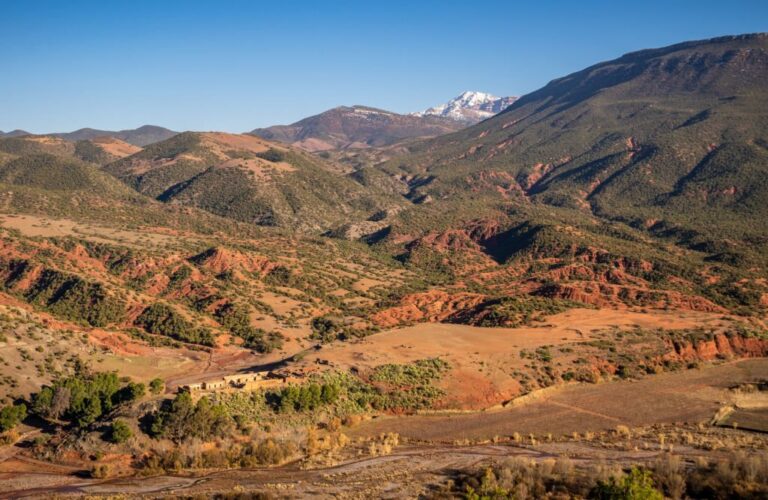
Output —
<point x="721" y="346"/>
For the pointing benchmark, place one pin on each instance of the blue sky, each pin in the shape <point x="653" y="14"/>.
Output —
<point x="237" y="65"/>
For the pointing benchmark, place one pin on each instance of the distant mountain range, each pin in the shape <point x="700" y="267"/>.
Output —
<point x="142" y="136"/>
<point x="470" y="107"/>
<point x="14" y="133"/>
<point x="356" y="127"/>
<point x="343" y="127"/>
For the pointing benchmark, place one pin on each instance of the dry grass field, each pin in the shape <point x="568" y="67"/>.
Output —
<point x="485" y="361"/>
<point x="46" y="227"/>
<point x="690" y="396"/>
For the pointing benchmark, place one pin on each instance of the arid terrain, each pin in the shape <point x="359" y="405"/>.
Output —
<point x="556" y="424"/>
<point x="567" y="299"/>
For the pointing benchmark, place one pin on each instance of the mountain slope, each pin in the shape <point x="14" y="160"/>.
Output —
<point x="643" y="139"/>
<point x="356" y="127"/>
<point x="142" y="136"/>
<point x="50" y="172"/>
<point x="470" y="107"/>
<point x="104" y="149"/>
<point x="658" y="158"/>
<point x="248" y="179"/>
<point x="11" y="147"/>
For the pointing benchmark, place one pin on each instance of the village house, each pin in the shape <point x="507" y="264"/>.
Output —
<point x="253" y="380"/>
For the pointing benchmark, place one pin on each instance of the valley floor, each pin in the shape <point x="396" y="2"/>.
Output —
<point x="436" y="446"/>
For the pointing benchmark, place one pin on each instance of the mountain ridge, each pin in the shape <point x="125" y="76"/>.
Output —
<point x="141" y="136"/>
<point x="470" y="107"/>
<point x="248" y="179"/>
<point x="345" y="127"/>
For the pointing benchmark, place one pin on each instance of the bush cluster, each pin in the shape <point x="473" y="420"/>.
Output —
<point x="306" y="397"/>
<point x="84" y="397"/>
<point x="181" y="418"/>
<point x="161" y="319"/>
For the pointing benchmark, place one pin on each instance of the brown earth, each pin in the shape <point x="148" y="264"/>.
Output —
<point x="115" y="147"/>
<point x="687" y="396"/>
<point x="488" y="358"/>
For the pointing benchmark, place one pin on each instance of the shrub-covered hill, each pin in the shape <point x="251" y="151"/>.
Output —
<point x="13" y="147"/>
<point x="99" y="150"/>
<point x="660" y="155"/>
<point x="250" y="180"/>
<point x="48" y="178"/>
<point x="103" y="150"/>
<point x="672" y="140"/>
<point x="142" y="136"/>
<point x="57" y="173"/>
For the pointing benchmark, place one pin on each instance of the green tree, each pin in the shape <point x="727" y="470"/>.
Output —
<point x="182" y="419"/>
<point x="120" y="432"/>
<point x="156" y="386"/>
<point x="637" y="485"/>
<point x="131" y="392"/>
<point x="11" y="416"/>
<point x="84" y="397"/>
<point x="89" y="412"/>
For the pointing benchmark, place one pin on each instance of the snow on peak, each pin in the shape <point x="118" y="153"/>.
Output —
<point x="470" y="107"/>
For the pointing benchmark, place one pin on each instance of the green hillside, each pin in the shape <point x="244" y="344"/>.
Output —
<point x="250" y="180"/>
<point x="669" y="140"/>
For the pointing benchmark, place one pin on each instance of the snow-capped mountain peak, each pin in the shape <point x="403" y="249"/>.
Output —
<point x="470" y="107"/>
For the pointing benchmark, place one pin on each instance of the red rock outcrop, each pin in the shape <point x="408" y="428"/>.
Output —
<point x="722" y="345"/>
<point x="606" y="294"/>
<point x="434" y="305"/>
<point x="218" y="260"/>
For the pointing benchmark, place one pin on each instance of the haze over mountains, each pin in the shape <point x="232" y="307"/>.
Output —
<point x="14" y="133"/>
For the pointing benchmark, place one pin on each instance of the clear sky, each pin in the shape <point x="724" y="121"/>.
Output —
<point x="237" y="65"/>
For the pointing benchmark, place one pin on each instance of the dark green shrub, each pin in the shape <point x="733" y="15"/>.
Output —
<point x="120" y="432"/>
<point x="156" y="386"/>
<point x="161" y="319"/>
<point x="11" y="416"/>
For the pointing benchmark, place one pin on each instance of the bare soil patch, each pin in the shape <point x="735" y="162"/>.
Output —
<point x="484" y="360"/>
<point x="46" y="227"/>
<point x="688" y="396"/>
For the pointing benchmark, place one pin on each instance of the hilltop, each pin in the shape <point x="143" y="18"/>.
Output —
<point x="356" y="127"/>
<point x="470" y="107"/>
<point x="142" y="136"/>
<point x="249" y="179"/>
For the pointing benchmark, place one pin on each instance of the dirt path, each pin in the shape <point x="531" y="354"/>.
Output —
<point x="585" y="411"/>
